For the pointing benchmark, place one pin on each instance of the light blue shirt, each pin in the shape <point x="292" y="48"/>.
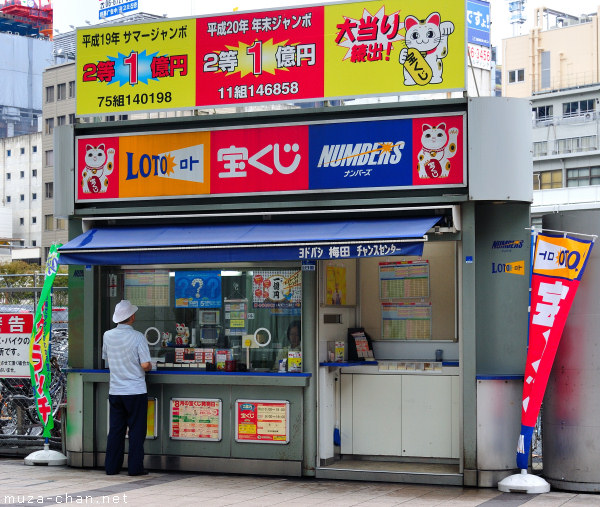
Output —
<point x="124" y="349"/>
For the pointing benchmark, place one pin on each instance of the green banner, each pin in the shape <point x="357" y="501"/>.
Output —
<point x="39" y="360"/>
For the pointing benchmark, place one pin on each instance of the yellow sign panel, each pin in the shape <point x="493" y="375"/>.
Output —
<point x="394" y="47"/>
<point x="562" y="257"/>
<point x="136" y="67"/>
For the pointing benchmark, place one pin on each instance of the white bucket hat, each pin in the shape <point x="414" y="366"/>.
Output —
<point x="123" y="311"/>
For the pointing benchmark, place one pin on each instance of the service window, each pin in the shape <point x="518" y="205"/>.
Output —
<point x="213" y="319"/>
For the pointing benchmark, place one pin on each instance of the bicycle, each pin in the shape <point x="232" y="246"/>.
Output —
<point x="16" y="396"/>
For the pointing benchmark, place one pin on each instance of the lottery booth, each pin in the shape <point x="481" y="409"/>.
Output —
<point x="338" y="292"/>
<point x="408" y="296"/>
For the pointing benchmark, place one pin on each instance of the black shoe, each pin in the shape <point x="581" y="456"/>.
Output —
<point x="143" y="472"/>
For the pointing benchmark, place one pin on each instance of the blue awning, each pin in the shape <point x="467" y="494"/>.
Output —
<point x="265" y="241"/>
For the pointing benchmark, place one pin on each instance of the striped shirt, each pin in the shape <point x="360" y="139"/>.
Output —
<point x="124" y="349"/>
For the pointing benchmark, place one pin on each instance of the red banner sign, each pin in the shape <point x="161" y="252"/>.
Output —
<point x="557" y="268"/>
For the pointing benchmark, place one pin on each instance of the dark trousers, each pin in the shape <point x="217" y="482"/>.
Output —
<point x="126" y="411"/>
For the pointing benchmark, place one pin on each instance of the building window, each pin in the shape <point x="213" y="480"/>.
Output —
<point x="71" y="89"/>
<point x="583" y="176"/>
<point x="33" y="196"/>
<point x="49" y="158"/>
<point x="34" y="149"/>
<point x="49" y="93"/>
<point x="579" y="107"/>
<point x="8" y="176"/>
<point x="540" y="149"/>
<point x="123" y="117"/>
<point x="22" y="151"/>
<point x="545" y="69"/>
<point x="61" y="91"/>
<point x="72" y="119"/>
<point x="49" y="126"/>
<point x="34" y="173"/>
<point x="110" y="117"/>
<point x="49" y="190"/>
<point x="22" y="174"/>
<point x="22" y="198"/>
<point x="62" y="120"/>
<point x="49" y="222"/>
<point x="8" y="198"/>
<point x="547" y="179"/>
<point x="8" y="152"/>
<point x="21" y="221"/>
<point x="61" y="224"/>
<point x="33" y="242"/>
<point x="33" y="220"/>
<point x="516" y="76"/>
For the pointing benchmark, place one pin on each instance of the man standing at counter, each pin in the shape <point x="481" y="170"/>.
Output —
<point x="128" y="357"/>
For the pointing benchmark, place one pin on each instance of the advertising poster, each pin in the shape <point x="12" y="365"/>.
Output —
<point x="336" y="285"/>
<point x="196" y="419"/>
<point x="308" y="53"/>
<point x="142" y="67"/>
<point x="558" y="264"/>
<point x="378" y="154"/>
<point x="263" y="422"/>
<point x="277" y="289"/>
<point x="197" y="289"/>
<point x="147" y="287"/>
<point x="15" y="334"/>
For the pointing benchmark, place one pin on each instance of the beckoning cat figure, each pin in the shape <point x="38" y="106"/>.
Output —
<point x="437" y="148"/>
<point x="99" y="163"/>
<point x="426" y="45"/>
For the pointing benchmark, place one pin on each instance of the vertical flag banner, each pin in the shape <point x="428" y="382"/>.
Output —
<point x="39" y="361"/>
<point x="557" y="267"/>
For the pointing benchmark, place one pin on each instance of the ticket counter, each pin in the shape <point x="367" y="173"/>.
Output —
<point x="395" y="288"/>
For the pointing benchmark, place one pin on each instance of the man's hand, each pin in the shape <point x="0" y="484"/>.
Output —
<point x="146" y="366"/>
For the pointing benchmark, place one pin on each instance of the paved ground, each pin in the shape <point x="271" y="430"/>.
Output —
<point x="42" y="485"/>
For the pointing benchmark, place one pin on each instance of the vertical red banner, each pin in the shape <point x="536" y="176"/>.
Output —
<point x="558" y="264"/>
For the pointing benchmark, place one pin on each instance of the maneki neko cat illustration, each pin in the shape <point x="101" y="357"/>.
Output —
<point x="99" y="164"/>
<point x="438" y="147"/>
<point x="426" y="46"/>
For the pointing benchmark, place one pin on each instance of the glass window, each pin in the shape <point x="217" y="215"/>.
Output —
<point x="216" y="318"/>
<point x="22" y="151"/>
<point x="8" y="198"/>
<point x="72" y="119"/>
<point x="34" y="173"/>
<point x="22" y="197"/>
<point x="49" y="126"/>
<point x="542" y="113"/>
<point x="8" y="153"/>
<point x="61" y="224"/>
<point x="49" y="190"/>
<point x="71" y="89"/>
<point x="21" y="221"/>
<point x="33" y="242"/>
<point x="547" y="179"/>
<point x="22" y="174"/>
<point x="33" y="196"/>
<point x="61" y="91"/>
<point x="540" y="149"/>
<point x="62" y="120"/>
<point x="49" y="222"/>
<point x="49" y="158"/>
<point x="8" y="176"/>
<point x="34" y="149"/>
<point x="49" y="93"/>
<point x="545" y="69"/>
<point x="33" y="220"/>
<point x="583" y="176"/>
<point x="516" y="76"/>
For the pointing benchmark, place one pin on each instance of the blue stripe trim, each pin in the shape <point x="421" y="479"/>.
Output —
<point x="184" y="372"/>
<point x="500" y="377"/>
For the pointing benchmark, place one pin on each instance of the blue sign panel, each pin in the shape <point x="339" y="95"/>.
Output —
<point x="110" y="8"/>
<point x="360" y="155"/>
<point x="478" y="22"/>
<point x="198" y="289"/>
